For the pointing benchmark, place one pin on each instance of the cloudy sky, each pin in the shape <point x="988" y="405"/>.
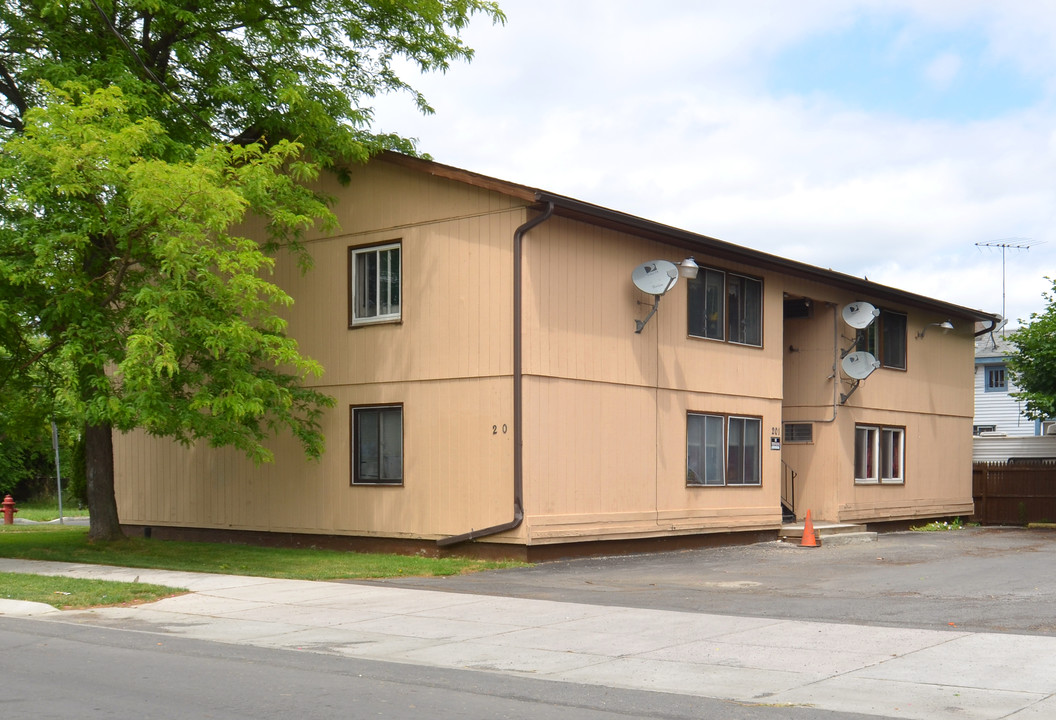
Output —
<point x="878" y="138"/>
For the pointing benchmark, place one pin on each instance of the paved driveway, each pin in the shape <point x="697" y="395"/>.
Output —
<point x="977" y="579"/>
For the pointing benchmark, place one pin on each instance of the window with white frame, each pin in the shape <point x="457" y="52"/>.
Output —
<point x="377" y="445"/>
<point x="885" y="339"/>
<point x="374" y="284"/>
<point x="995" y="379"/>
<point x="726" y="306"/>
<point x="723" y="450"/>
<point x="879" y="454"/>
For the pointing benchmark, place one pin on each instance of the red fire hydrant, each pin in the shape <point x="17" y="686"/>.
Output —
<point x="9" y="510"/>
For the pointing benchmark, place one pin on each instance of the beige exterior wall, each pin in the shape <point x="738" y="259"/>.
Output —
<point x="605" y="408"/>
<point x="930" y="399"/>
<point x="448" y="362"/>
<point x="456" y="475"/>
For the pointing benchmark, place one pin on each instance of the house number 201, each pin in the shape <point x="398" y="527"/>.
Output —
<point x="495" y="429"/>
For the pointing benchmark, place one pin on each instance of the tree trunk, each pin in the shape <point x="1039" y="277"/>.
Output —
<point x="99" y="470"/>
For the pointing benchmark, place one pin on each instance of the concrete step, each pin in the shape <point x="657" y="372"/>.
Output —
<point x="828" y="533"/>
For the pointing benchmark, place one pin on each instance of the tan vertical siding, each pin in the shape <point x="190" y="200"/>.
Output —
<point x="931" y="399"/>
<point x="448" y="362"/>
<point x="457" y="475"/>
<point x="605" y="408"/>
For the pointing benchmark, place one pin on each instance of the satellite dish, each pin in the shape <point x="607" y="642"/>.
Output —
<point x="859" y="314"/>
<point x="655" y="277"/>
<point x="859" y="365"/>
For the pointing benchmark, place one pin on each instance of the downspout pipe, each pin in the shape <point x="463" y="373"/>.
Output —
<point x="518" y="394"/>
<point x="994" y="321"/>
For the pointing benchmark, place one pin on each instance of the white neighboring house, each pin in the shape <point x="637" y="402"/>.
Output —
<point x="1002" y="432"/>
<point x="996" y="411"/>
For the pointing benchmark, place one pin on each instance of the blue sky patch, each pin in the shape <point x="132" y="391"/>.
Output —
<point x="885" y="65"/>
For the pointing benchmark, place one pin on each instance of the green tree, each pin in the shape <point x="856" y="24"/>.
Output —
<point x="304" y="69"/>
<point x="135" y="135"/>
<point x="1033" y="364"/>
<point x="125" y="266"/>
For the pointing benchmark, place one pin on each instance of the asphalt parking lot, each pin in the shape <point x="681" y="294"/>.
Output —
<point x="974" y="579"/>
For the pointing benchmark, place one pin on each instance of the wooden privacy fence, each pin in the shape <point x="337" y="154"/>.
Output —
<point x="1014" y="493"/>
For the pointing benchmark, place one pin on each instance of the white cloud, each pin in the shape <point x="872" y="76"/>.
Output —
<point x="943" y="70"/>
<point x="662" y="111"/>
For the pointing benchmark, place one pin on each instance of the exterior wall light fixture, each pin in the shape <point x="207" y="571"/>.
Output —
<point x="945" y="325"/>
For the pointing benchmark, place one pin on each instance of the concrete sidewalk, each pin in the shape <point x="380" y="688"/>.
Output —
<point x="897" y="672"/>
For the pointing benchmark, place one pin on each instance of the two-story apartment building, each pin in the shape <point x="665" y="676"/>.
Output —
<point x="480" y="339"/>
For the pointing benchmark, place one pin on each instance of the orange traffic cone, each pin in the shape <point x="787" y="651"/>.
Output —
<point x="809" y="539"/>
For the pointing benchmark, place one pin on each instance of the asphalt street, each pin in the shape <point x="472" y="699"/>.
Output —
<point x="56" y="671"/>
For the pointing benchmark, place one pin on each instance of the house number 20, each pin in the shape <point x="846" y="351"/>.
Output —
<point x="495" y="429"/>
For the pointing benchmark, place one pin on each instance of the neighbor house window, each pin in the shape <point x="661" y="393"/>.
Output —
<point x="980" y="429"/>
<point x="879" y="454"/>
<point x="723" y="450"/>
<point x="374" y="284"/>
<point x="995" y="379"/>
<point x="885" y="339"/>
<point x="377" y="445"/>
<point x="726" y="306"/>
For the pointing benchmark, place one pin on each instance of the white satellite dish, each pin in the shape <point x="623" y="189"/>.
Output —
<point x="859" y="365"/>
<point x="859" y="314"/>
<point x="655" y="277"/>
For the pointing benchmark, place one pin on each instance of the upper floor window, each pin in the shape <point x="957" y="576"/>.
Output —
<point x="374" y="284"/>
<point x="886" y="339"/>
<point x="995" y="379"/>
<point x="726" y="306"/>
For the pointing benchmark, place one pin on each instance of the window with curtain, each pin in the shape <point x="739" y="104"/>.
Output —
<point x="374" y="284"/>
<point x="723" y="450"/>
<point x="725" y="306"/>
<point x="377" y="445"/>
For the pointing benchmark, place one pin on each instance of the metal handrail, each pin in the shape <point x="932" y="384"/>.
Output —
<point x="788" y="480"/>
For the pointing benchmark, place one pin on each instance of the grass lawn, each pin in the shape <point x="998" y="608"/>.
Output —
<point x="65" y="543"/>
<point x="72" y="593"/>
<point x="45" y="510"/>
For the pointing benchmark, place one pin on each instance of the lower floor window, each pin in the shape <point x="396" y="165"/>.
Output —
<point x="723" y="450"/>
<point x="377" y="445"/>
<point x="879" y="454"/>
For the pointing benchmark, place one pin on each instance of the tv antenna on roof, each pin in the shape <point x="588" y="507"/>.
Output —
<point x="1013" y="243"/>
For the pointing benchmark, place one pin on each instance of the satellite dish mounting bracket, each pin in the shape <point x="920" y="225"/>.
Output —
<point x="656" y="278"/>
<point x="639" y="325"/>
